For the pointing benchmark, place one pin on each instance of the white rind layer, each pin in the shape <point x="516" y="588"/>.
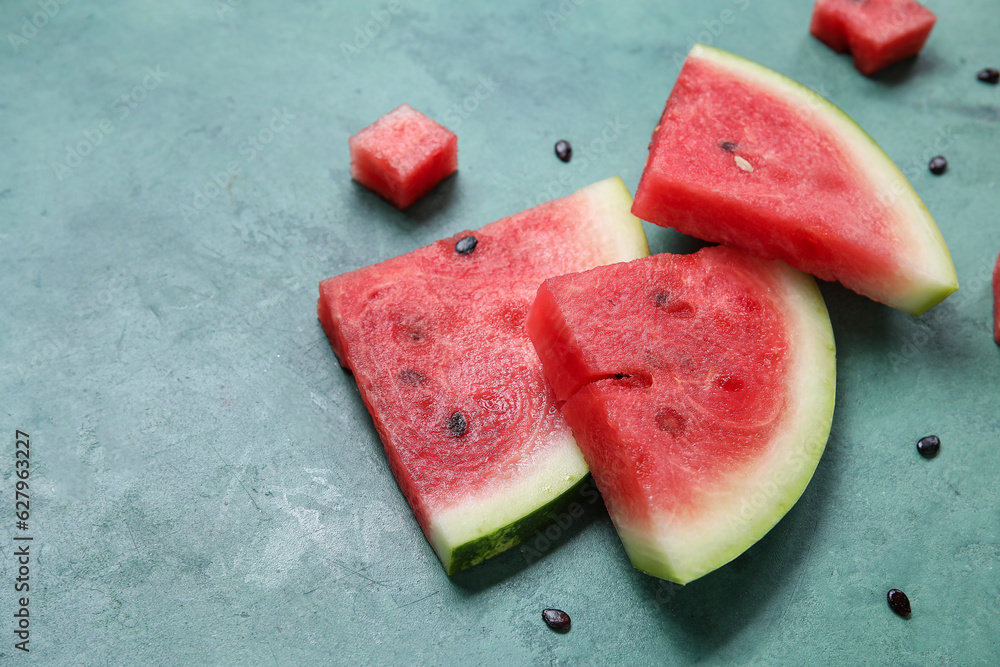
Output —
<point x="541" y="483"/>
<point x="499" y="509"/>
<point x="929" y="271"/>
<point x="744" y="511"/>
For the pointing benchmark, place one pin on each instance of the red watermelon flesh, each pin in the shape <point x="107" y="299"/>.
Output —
<point x="437" y="343"/>
<point x="403" y="155"/>
<point x="700" y="389"/>
<point x="747" y="157"/>
<point x="996" y="302"/>
<point x="877" y="32"/>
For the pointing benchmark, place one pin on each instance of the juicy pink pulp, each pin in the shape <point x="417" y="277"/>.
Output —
<point x="434" y="332"/>
<point x="803" y="202"/>
<point x="673" y="369"/>
<point x="402" y="155"/>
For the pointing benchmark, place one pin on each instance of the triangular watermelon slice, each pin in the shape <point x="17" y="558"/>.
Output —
<point x="747" y="157"/>
<point x="700" y="389"/>
<point x="436" y="340"/>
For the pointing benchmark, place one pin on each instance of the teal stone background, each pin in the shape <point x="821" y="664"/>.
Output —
<point x="206" y="485"/>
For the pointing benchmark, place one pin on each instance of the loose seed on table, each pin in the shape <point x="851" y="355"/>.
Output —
<point x="929" y="446"/>
<point x="989" y="75"/>
<point x="556" y="619"/>
<point x="563" y="150"/>
<point x="938" y="165"/>
<point x="898" y="602"/>
<point x="466" y="245"/>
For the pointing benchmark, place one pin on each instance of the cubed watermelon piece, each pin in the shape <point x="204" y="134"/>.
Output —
<point x="878" y="32"/>
<point x="403" y="155"/>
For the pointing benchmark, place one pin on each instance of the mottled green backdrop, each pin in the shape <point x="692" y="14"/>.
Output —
<point x="206" y="485"/>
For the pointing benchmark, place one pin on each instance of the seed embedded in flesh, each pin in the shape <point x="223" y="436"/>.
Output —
<point x="728" y="146"/>
<point x="556" y="619"/>
<point x="466" y="245"/>
<point x="743" y="164"/>
<point x="989" y="75"/>
<point x="672" y="305"/>
<point x="938" y="165"/>
<point x="898" y="602"/>
<point x="929" y="446"/>
<point x="457" y="424"/>
<point x="563" y="150"/>
<point x="412" y="377"/>
<point x="670" y="421"/>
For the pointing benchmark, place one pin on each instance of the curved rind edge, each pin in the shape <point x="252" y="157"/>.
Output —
<point x="893" y="187"/>
<point x="777" y="483"/>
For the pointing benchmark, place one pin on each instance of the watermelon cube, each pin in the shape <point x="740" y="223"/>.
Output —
<point x="878" y="32"/>
<point x="403" y="155"/>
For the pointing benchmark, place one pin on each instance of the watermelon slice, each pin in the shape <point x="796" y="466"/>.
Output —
<point x="437" y="343"/>
<point x="747" y="157"/>
<point x="402" y="155"/>
<point x="878" y="32"/>
<point x="700" y="388"/>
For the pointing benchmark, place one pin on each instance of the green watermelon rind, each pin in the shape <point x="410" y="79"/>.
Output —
<point x="505" y="514"/>
<point x="478" y="550"/>
<point x="930" y="263"/>
<point x="479" y="528"/>
<point x="779" y="481"/>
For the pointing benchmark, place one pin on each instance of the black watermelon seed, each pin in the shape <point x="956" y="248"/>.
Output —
<point x="929" y="446"/>
<point x="898" y="602"/>
<point x="938" y="165"/>
<point x="670" y="421"/>
<point x="669" y="304"/>
<point x="556" y="619"/>
<point x="457" y="425"/>
<point x="989" y="75"/>
<point x="728" y="146"/>
<point x="466" y="245"/>
<point x="412" y="377"/>
<point x="563" y="150"/>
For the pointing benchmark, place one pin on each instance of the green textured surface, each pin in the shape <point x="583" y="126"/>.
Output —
<point x="207" y="486"/>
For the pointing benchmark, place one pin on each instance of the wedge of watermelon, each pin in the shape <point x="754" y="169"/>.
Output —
<point x="437" y="343"/>
<point x="747" y="157"/>
<point x="877" y="32"/>
<point x="700" y="388"/>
